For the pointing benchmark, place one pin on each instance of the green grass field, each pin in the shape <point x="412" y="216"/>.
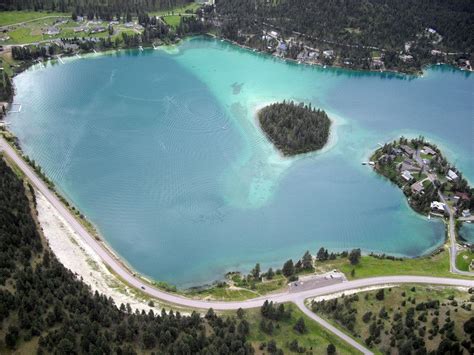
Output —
<point x="437" y="265"/>
<point x="12" y="17"/>
<point x="463" y="260"/>
<point x="316" y="339"/>
<point x="172" y="20"/>
<point x="177" y="10"/>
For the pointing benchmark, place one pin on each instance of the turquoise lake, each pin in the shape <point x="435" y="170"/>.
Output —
<point x="161" y="151"/>
<point x="467" y="232"/>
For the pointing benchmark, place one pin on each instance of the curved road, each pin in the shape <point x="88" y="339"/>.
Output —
<point x="453" y="249"/>
<point x="296" y="297"/>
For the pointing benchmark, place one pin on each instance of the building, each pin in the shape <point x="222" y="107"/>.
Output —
<point x="51" y="31"/>
<point x="407" y="175"/>
<point x="282" y="47"/>
<point x="466" y="213"/>
<point x="417" y="188"/>
<point x="408" y="165"/>
<point x="437" y="206"/>
<point x="406" y="57"/>
<point x="427" y="150"/>
<point x="407" y="149"/>
<point x="328" y="53"/>
<point x="452" y="176"/>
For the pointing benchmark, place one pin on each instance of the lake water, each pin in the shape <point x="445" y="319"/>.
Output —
<point x="161" y="151"/>
<point x="467" y="232"/>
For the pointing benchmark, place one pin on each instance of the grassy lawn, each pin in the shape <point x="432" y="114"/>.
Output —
<point x="177" y="10"/>
<point x="454" y="305"/>
<point x="436" y="265"/>
<point x="223" y="294"/>
<point x="172" y="20"/>
<point x="463" y="260"/>
<point x="12" y="17"/>
<point x="316" y="339"/>
<point x="23" y="35"/>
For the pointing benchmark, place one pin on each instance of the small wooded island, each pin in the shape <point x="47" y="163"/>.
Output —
<point x="295" y="128"/>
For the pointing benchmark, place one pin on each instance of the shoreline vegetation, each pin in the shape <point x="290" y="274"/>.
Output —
<point x="237" y="286"/>
<point x="294" y="128"/>
<point x="26" y="58"/>
<point x="425" y="176"/>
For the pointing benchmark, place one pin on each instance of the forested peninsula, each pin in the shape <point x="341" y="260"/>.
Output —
<point x="295" y="128"/>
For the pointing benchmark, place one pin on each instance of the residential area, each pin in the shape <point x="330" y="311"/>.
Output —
<point x="432" y="185"/>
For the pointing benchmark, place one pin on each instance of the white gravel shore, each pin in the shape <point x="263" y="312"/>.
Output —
<point x="78" y="257"/>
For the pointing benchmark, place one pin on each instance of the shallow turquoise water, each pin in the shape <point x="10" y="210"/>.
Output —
<point x="161" y="151"/>
<point x="467" y="232"/>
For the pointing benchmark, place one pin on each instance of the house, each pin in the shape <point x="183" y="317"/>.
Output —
<point x="407" y="175"/>
<point x="436" y="52"/>
<point x="452" y="176"/>
<point x="417" y="188"/>
<point x="428" y="151"/>
<point x="51" y="31"/>
<point x="328" y="53"/>
<point x="396" y="151"/>
<point x="431" y="30"/>
<point x="282" y="47"/>
<point x="407" y="149"/>
<point x="466" y="213"/>
<point x="274" y="34"/>
<point x="78" y="29"/>
<point x="406" y="57"/>
<point x="71" y="47"/>
<point x="98" y="29"/>
<point x="437" y="206"/>
<point x="409" y="165"/>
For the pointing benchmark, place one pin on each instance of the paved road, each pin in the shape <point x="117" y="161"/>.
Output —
<point x="296" y="297"/>
<point x="453" y="249"/>
<point x="330" y="327"/>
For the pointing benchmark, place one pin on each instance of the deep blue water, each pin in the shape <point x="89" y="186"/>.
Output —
<point x="161" y="151"/>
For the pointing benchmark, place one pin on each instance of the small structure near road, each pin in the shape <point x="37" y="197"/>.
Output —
<point x="52" y="31"/>
<point x="438" y="207"/>
<point x="315" y="281"/>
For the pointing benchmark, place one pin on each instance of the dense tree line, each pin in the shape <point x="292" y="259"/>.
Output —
<point x="6" y="87"/>
<point x="295" y="128"/>
<point x="382" y="23"/>
<point x="41" y="301"/>
<point x="93" y="8"/>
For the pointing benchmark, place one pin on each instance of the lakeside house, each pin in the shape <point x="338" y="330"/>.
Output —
<point x="407" y="149"/>
<point x="417" y="188"/>
<point x="451" y="175"/>
<point x="466" y="213"/>
<point x="328" y="53"/>
<point x="406" y="57"/>
<point x="428" y="151"/>
<point x="407" y="175"/>
<point x="437" y="206"/>
<point x="409" y="165"/>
